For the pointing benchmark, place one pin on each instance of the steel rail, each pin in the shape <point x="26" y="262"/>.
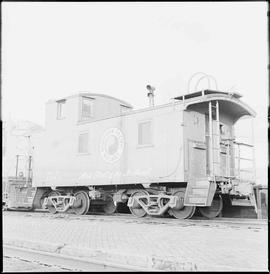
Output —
<point x="196" y="220"/>
<point x="65" y="261"/>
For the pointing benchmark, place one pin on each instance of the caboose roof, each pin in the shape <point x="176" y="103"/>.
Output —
<point x="91" y="94"/>
<point x="205" y="92"/>
<point x="228" y="103"/>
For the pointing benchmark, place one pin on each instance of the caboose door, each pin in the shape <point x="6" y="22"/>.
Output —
<point x="195" y="149"/>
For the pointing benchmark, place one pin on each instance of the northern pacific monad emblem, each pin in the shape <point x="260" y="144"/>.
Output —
<point x="112" y="145"/>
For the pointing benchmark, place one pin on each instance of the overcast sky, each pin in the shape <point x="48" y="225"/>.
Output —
<point x="52" y="50"/>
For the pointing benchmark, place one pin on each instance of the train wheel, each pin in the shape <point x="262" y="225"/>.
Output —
<point x="192" y="212"/>
<point x="110" y="206"/>
<point x="82" y="203"/>
<point x="213" y="210"/>
<point x="51" y="207"/>
<point x="136" y="209"/>
<point x="181" y="211"/>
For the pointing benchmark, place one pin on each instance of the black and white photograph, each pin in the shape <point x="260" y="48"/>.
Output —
<point x="135" y="136"/>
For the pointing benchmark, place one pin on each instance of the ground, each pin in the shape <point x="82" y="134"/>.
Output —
<point x="151" y="243"/>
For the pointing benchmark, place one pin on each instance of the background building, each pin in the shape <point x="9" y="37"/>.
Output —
<point x="18" y="142"/>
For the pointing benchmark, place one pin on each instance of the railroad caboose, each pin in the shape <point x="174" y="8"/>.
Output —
<point x="97" y="152"/>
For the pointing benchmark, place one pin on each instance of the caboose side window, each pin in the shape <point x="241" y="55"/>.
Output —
<point x="86" y="108"/>
<point x="145" y="133"/>
<point x="83" y="143"/>
<point x="60" y="109"/>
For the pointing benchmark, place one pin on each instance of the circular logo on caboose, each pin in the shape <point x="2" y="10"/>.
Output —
<point x="112" y="145"/>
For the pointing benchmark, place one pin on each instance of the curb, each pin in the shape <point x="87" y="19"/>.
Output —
<point x="132" y="262"/>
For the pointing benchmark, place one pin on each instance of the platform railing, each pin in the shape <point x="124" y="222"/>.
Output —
<point x="239" y="159"/>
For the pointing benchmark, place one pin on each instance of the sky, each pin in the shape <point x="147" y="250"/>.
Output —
<point x="52" y="50"/>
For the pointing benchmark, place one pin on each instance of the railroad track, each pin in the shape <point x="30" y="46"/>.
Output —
<point x="38" y="260"/>
<point x="128" y="218"/>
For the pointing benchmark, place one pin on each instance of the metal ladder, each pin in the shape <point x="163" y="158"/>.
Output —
<point x="214" y="139"/>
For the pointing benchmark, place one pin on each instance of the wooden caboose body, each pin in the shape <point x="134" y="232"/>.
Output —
<point x="167" y="158"/>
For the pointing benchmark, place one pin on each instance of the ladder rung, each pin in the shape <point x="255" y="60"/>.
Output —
<point x="197" y="196"/>
<point x="243" y="144"/>
<point x="241" y="158"/>
<point x="246" y="170"/>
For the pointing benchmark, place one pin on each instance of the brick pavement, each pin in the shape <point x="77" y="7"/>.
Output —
<point x="187" y="247"/>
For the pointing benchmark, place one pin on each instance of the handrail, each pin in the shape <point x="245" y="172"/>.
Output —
<point x="243" y="144"/>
